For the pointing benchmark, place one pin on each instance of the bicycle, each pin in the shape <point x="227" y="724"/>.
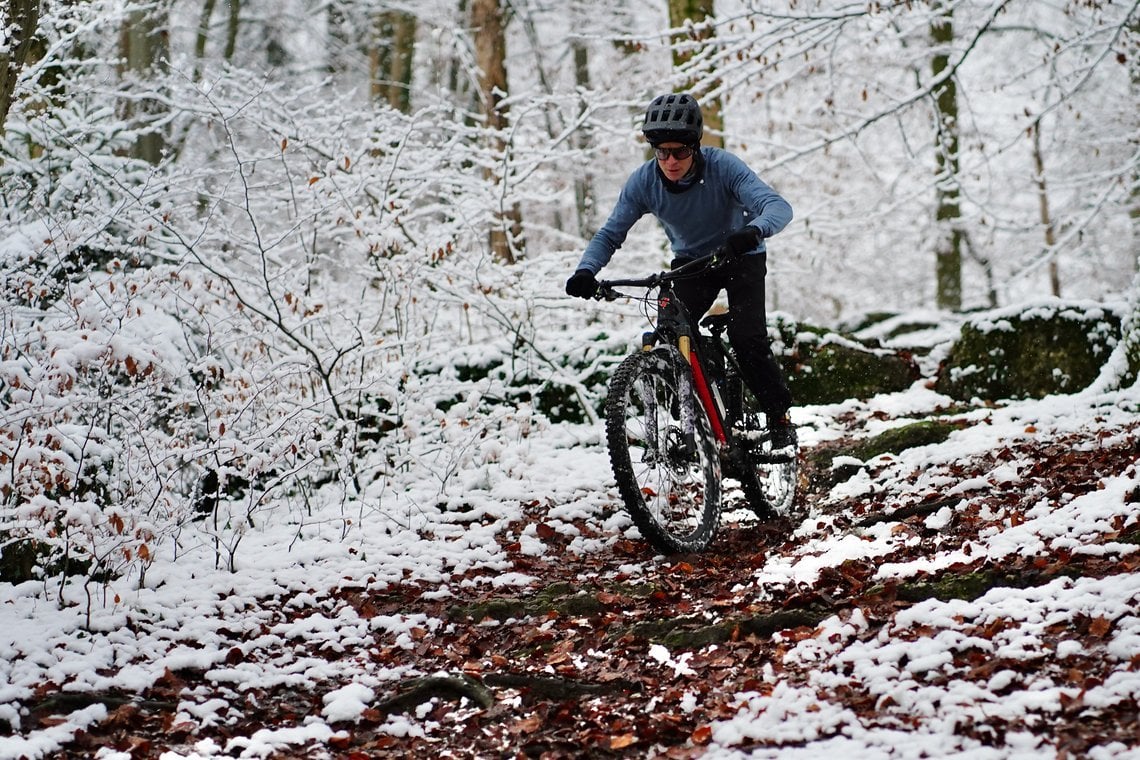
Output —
<point x="679" y="420"/>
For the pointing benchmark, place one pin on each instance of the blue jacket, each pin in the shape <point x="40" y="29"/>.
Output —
<point x="697" y="219"/>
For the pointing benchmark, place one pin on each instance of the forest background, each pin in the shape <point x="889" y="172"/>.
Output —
<point x="283" y="331"/>
<point x="259" y="257"/>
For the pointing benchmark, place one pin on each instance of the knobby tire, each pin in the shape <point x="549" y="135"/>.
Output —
<point x="768" y="478"/>
<point x="670" y="486"/>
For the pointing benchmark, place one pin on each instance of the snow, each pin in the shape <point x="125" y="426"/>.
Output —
<point x="258" y="608"/>
<point x="347" y="702"/>
<point x="187" y="611"/>
<point x="266" y="742"/>
<point x="788" y="715"/>
<point x="679" y="665"/>
<point x="44" y="742"/>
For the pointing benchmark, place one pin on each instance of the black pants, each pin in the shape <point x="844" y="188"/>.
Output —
<point x="743" y="282"/>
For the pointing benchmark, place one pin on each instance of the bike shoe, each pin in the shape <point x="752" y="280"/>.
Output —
<point x="782" y="432"/>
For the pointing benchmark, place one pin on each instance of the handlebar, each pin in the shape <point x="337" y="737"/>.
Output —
<point x="606" y="292"/>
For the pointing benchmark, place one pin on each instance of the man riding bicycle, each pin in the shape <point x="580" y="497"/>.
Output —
<point x="705" y="198"/>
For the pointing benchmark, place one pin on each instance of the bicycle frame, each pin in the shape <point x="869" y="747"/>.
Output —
<point x="675" y="324"/>
<point x="672" y="314"/>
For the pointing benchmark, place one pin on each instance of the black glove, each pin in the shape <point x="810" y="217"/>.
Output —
<point x="743" y="240"/>
<point x="582" y="284"/>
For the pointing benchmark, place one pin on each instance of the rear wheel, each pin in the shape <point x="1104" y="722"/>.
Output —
<point x="669" y="479"/>
<point x="768" y="477"/>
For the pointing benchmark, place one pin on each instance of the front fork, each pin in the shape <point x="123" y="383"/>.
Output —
<point x="685" y="394"/>
<point x="707" y="392"/>
<point x="686" y="411"/>
<point x="689" y="384"/>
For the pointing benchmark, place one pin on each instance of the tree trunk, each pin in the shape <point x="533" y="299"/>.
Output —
<point x="553" y="118"/>
<point x="505" y="236"/>
<point x="203" y="30"/>
<point x="1043" y="205"/>
<point x="1129" y="346"/>
<point x="143" y="42"/>
<point x="391" y="58"/>
<point x="232" y="30"/>
<point x="948" y="245"/>
<point x="380" y="56"/>
<point x="584" y="179"/>
<point x="22" y="17"/>
<point x="696" y="12"/>
<point x="400" y="77"/>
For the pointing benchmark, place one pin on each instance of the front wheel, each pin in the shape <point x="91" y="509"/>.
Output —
<point x="668" y="476"/>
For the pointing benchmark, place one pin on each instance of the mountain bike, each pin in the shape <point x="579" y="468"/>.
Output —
<point x="679" y="421"/>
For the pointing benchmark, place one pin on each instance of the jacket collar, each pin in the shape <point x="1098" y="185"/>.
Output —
<point x="690" y="180"/>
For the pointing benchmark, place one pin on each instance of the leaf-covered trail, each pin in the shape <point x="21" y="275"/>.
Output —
<point x="786" y="639"/>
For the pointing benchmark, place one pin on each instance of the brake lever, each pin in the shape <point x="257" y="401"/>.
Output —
<point x="721" y="256"/>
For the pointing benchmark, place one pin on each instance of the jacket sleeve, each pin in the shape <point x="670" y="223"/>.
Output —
<point x="770" y="212"/>
<point x="629" y="208"/>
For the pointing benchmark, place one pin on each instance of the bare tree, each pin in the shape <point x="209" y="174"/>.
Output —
<point x="488" y="26"/>
<point x="22" y="18"/>
<point x="203" y="35"/>
<point x="917" y="114"/>
<point x="948" y="212"/>
<point x="693" y="20"/>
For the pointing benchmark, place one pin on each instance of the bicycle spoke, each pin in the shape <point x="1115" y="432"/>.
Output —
<point x="669" y="477"/>
<point x="769" y="479"/>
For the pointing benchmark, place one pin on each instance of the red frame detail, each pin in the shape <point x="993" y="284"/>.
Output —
<point x="706" y="397"/>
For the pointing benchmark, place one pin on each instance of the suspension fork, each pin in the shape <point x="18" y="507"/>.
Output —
<point x="704" y="391"/>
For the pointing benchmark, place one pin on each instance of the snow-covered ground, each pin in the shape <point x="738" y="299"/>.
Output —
<point x="191" y="611"/>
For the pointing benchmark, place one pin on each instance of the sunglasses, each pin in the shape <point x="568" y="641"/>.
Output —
<point x="678" y="153"/>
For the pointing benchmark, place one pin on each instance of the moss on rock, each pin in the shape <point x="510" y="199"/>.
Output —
<point x="921" y="433"/>
<point x="893" y="441"/>
<point x="1031" y="353"/>
<point x="825" y="367"/>
<point x="558" y="597"/>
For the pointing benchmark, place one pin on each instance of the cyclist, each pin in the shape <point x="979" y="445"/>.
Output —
<point x="705" y="198"/>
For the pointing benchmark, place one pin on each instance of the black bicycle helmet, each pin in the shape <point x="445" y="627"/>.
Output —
<point x="673" y="118"/>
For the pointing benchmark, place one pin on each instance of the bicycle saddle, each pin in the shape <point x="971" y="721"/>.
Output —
<point x="716" y="323"/>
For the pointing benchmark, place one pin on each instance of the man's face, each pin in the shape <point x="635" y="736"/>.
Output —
<point x="672" y="167"/>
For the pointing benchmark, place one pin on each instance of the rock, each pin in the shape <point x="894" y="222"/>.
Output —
<point x="1029" y="352"/>
<point x="824" y="367"/>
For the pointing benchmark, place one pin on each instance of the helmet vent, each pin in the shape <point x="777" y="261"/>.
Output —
<point x="674" y="117"/>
